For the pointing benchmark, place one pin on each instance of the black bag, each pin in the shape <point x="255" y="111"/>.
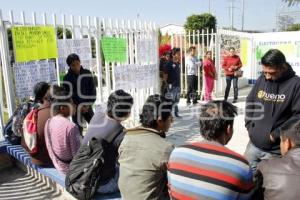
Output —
<point x="9" y="135"/>
<point x="83" y="177"/>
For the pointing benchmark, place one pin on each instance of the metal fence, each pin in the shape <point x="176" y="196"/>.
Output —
<point x="204" y="40"/>
<point x="93" y="28"/>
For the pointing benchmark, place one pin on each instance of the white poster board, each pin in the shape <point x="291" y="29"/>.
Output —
<point x="287" y="42"/>
<point x="129" y="77"/>
<point x="29" y="73"/>
<point x="82" y="47"/>
<point x="145" y="52"/>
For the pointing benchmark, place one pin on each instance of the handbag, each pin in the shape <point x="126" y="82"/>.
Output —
<point x="238" y="73"/>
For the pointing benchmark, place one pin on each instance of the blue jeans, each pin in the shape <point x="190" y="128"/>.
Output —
<point x="111" y="186"/>
<point x="255" y="155"/>
<point x="228" y="86"/>
<point x="174" y="94"/>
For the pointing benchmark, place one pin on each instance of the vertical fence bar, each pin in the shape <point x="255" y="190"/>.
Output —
<point x="182" y="49"/>
<point x="194" y="38"/>
<point x="183" y="67"/>
<point x="45" y="19"/>
<point x="7" y="70"/>
<point x="98" y="57"/>
<point x="34" y="18"/>
<point x="56" y="60"/>
<point x="63" y="19"/>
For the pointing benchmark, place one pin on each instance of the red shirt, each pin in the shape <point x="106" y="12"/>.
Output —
<point x="231" y="61"/>
<point x="209" y="68"/>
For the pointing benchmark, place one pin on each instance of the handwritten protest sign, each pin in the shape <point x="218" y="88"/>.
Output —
<point x="30" y="73"/>
<point x="145" y="51"/>
<point x="82" y="47"/>
<point x="34" y="43"/>
<point x="129" y="77"/>
<point x="114" y="49"/>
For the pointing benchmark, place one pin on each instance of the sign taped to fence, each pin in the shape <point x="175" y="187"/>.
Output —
<point x="114" y="49"/>
<point x="145" y="51"/>
<point x="28" y="74"/>
<point x="34" y="43"/>
<point x="129" y="77"/>
<point x="82" y="47"/>
<point x="287" y="42"/>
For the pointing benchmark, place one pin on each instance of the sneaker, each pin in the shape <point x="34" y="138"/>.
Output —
<point x="234" y="101"/>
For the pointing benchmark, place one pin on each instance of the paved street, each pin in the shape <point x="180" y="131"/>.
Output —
<point x="187" y="129"/>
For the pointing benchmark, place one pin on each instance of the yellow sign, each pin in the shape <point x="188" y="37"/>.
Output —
<point x="244" y="52"/>
<point x="34" y="43"/>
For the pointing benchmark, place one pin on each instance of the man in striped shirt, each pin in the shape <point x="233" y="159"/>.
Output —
<point x="207" y="169"/>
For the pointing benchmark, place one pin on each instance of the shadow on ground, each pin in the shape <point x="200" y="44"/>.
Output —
<point x="18" y="185"/>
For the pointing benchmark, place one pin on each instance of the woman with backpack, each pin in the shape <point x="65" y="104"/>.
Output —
<point x="62" y="136"/>
<point x="41" y="112"/>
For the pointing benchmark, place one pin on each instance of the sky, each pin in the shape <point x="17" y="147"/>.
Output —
<point x="259" y="14"/>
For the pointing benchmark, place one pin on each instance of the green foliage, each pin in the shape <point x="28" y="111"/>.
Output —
<point x="199" y="22"/>
<point x="291" y="2"/>
<point x="294" y="27"/>
<point x="60" y="33"/>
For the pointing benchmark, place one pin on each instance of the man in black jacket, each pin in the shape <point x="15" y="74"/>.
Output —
<point x="80" y="83"/>
<point x="273" y="103"/>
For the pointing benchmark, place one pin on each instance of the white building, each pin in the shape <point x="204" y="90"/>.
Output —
<point x="172" y="29"/>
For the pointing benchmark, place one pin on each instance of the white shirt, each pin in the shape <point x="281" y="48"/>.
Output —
<point x="192" y="64"/>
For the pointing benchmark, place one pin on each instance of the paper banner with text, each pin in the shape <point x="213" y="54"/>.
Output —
<point x="82" y="47"/>
<point x="34" y="43"/>
<point x="114" y="49"/>
<point x="129" y="77"/>
<point x="287" y="42"/>
<point x="28" y="74"/>
<point x="146" y="53"/>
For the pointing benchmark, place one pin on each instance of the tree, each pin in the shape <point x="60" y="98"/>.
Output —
<point x="291" y="2"/>
<point x="284" y="21"/>
<point x="60" y="33"/>
<point x="199" y="22"/>
<point x="293" y="27"/>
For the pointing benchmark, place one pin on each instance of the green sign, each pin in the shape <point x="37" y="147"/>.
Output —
<point x="114" y="49"/>
<point x="34" y="43"/>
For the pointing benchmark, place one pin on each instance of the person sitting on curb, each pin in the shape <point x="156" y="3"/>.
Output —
<point x="62" y="136"/>
<point x="106" y="124"/>
<point x="144" y="153"/>
<point x="207" y="169"/>
<point x="279" y="178"/>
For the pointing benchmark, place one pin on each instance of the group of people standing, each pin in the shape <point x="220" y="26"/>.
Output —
<point x="170" y="67"/>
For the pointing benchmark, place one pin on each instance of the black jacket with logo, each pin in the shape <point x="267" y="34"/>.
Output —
<point x="270" y="106"/>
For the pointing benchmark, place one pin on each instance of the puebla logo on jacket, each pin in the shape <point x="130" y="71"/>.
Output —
<point x="270" y="97"/>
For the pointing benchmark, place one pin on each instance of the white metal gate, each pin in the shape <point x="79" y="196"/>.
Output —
<point x="93" y="28"/>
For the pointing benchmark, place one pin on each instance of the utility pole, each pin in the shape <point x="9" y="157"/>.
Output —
<point x="243" y="14"/>
<point x="209" y="6"/>
<point x="231" y="15"/>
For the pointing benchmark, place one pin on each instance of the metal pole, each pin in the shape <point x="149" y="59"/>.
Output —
<point x="98" y="57"/>
<point x="7" y="70"/>
<point x="231" y="11"/>
<point x="231" y="14"/>
<point x="243" y="14"/>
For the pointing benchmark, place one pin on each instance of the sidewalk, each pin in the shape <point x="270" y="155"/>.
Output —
<point x="187" y="129"/>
